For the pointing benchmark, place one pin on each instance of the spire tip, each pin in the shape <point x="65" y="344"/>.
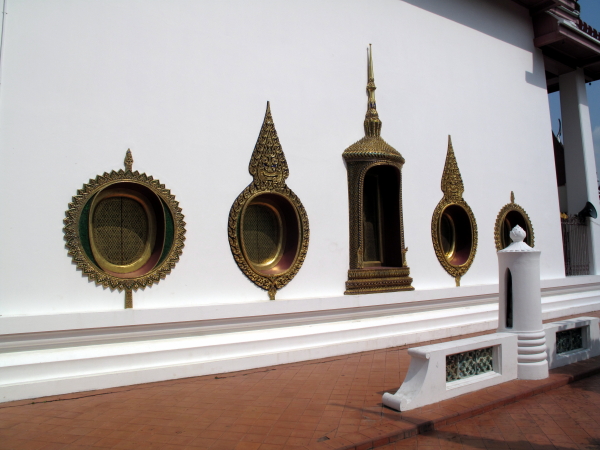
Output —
<point x="372" y="124"/>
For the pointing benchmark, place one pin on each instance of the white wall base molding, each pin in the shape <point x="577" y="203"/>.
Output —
<point x="63" y="353"/>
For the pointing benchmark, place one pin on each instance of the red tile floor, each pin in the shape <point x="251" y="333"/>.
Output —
<point x="322" y="404"/>
<point x="563" y="418"/>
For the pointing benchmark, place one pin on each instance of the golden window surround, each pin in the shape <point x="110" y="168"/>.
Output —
<point x="268" y="226"/>
<point x="502" y="228"/>
<point x="95" y="224"/>
<point x="453" y="225"/>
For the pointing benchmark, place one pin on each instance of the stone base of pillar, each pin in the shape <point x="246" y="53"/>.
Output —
<point x="532" y="355"/>
<point x="532" y="371"/>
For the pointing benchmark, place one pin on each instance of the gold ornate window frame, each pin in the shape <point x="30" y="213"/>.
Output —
<point x="370" y="152"/>
<point x="453" y="188"/>
<point x="499" y="240"/>
<point x="79" y="235"/>
<point x="269" y="170"/>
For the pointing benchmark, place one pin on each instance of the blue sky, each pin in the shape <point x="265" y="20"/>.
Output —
<point x="590" y="13"/>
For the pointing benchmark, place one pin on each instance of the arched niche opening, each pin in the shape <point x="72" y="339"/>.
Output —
<point x="509" y="298"/>
<point x="382" y="245"/>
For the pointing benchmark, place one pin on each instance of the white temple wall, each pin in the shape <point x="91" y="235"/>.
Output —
<point x="184" y="84"/>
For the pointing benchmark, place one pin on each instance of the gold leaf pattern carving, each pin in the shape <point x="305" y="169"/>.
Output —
<point x="269" y="170"/>
<point x="453" y="189"/>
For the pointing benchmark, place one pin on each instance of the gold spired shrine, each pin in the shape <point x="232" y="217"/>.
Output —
<point x="268" y="226"/>
<point x="377" y="251"/>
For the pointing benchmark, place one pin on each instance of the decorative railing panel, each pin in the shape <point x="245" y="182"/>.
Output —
<point x="569" y="340"/>
<point x="468" y="364"/>
<point x="575" y="246"/>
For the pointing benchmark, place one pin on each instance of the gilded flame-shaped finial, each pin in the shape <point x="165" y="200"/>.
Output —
<point x="372" y="122"/>
<point x="268" y="165"/>
<point x="452" y="183"/>
<point x="512" y="197"/>
<point x="128" y="161"/>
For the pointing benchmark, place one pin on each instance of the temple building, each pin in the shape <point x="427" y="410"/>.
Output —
<point x="193" y="188"/>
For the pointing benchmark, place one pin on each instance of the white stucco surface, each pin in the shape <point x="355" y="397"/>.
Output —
<point x="184" y="84"/>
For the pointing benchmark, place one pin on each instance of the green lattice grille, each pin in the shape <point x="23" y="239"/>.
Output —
<point x="569" y="340"/>
<point x="120" y="228"/>
<point x="468" y="364"/>
<point x="261" y="234"/>
<point x="169" y="232"/>
<point x="84" y="232"/>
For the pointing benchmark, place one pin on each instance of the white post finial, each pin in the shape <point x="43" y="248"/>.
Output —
<point x="518" y="234"/>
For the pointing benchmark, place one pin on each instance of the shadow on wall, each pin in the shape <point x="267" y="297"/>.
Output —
<point x="476" y="15"/>
<point x="471" y="14"/>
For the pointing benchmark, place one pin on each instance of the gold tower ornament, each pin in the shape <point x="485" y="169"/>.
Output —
<point x="124" y="230"/>
<point x="268" y="226"/>
<point x="453" y="226"/>
<point x="377" y="250"/>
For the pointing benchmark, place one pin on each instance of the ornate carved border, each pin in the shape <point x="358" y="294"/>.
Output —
<point x="512" y="206"/>
<point x="453" y="188"/>
<point x="269" y="170"/>
<point x="73" y="239"/>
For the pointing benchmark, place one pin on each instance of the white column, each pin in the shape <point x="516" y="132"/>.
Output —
<point x="580" y="162"/>
<point x="519" y="282"/>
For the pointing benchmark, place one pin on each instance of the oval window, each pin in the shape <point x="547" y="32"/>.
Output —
<point x="270" y="234"/>
<point x="126" y="229"/>
<point x="455" y="234"/>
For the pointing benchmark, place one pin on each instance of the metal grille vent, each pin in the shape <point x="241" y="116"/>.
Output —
<point x="468" y="364"/>
<point x="261" y="234"/>
<point x="575" y="246"/>
<point x="569" y="340"/>
<point x="120" y="229"/>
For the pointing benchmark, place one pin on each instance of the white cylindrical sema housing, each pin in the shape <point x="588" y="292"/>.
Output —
<point x="520" y="305"/>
